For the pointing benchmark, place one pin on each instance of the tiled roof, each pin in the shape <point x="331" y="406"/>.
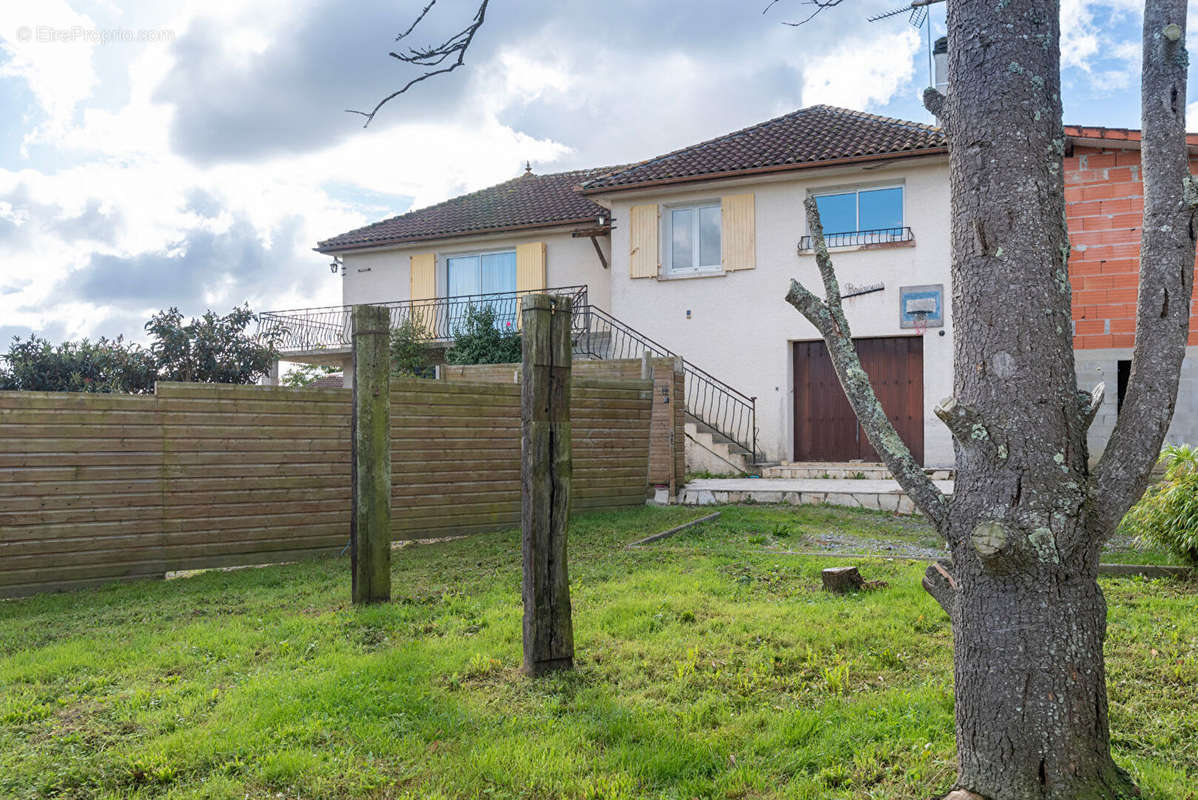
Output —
<point x="1115" y="134"/>
<point x="334" y="380"/>
<point x="524" y="202"/>
<point x="808" y="136"/>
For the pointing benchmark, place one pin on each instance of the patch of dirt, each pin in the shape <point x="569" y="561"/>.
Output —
<point x="844" y="543"/>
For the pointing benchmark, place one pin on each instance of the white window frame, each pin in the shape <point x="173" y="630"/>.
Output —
<point x="667" y="237"/>
<point x="473" y="254"/>
<point x="857" y="189"/>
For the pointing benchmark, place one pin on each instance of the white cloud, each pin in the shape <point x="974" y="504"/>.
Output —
<point x="48" y="49"/>
<point x="860" y="73"/>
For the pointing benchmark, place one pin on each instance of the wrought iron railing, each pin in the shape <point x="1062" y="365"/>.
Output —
<point x="858" y="238"/>
<point x="305" y="330"/>
<point x="721" y="407"/>
<point x="596" y="334"/>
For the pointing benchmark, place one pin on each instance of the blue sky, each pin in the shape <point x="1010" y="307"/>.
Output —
<point x="191" y="152"/>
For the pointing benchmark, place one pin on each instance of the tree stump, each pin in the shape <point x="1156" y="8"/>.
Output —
<point x="842" y="580"/>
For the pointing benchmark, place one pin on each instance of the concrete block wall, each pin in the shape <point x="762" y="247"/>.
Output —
<point x="1096" y="366"/>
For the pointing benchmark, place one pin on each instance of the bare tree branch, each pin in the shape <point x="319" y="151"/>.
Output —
<point x="1166" y="266"/>
<point x="820" y="5"/>
<point x="829" y="319"/>
<point x="454" y="47"/>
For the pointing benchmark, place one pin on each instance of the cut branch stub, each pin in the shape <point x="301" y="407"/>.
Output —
<point x="942" y="586"/>
<point x="1091" y="402"/>
<point x="996" y="546"/>
<point x="933" y="101"/>
<point x="968" y="428"/>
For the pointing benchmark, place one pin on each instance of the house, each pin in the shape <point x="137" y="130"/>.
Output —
<point x="691" y="253"/>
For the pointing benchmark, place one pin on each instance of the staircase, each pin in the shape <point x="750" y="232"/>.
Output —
<point x="721" y="420"/>
<point x="708" y="450"/>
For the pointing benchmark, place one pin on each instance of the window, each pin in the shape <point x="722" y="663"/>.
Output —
<point x="482" y="274"/>
<point x="863" y="216"/>
<point x="693" y="238"/>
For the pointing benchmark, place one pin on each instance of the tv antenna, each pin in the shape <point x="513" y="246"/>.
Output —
<point x="918" y="10"/>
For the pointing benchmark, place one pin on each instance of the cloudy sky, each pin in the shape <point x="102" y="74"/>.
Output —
<point x="191" y="152"/>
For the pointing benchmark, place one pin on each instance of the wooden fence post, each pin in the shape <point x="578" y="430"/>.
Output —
<point x="546" y="468"/>
<point x="370" y="526"/>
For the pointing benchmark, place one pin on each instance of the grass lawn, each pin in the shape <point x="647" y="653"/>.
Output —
<point x="712" y="666"/>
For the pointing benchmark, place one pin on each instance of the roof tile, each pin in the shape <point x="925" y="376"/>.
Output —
<point x="807" y="136"/>
<point x="527" y="201"/>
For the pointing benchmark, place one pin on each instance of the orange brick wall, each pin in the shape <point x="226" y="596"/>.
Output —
<point x="1103" y="205"/>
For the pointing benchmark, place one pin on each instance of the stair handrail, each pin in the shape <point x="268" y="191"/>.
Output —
<point x="715" y="403"/>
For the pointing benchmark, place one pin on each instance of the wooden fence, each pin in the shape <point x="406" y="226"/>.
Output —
<point x="95" y="488"/>
<point x="667" y="445"/>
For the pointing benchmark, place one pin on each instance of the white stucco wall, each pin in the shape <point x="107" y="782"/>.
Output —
<point x="382" y="275"/>
<point x="740" y="328"/>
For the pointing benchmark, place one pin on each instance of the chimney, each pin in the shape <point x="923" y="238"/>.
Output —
<point x="940" y="55"/>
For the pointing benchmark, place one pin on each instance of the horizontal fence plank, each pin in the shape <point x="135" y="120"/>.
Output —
<point x="100" y="488"/>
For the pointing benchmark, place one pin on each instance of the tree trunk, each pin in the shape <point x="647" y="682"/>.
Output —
<point x="1029" y="619"/>
<point x="1027" y="520"/>
<point x="1030" y="686"/>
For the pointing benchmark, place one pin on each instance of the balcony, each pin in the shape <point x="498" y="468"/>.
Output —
<point x="312" y="331"/>
<point x="877" y="236"/>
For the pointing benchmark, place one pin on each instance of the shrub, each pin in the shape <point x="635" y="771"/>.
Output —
<point x="1167" y="514"/>
<point x="481" y="339"/>
<point x="409" y="350"/>
<point x="209" y="349"/>
<point x="105" y="365"/>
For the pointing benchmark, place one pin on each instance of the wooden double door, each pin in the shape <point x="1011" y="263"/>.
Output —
<point x="825" y="428"/>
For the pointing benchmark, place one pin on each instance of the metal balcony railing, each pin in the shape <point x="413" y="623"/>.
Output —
<point x="305" y="330"/>
<point x="859" y="238"/>
<point x="596" y="334"/>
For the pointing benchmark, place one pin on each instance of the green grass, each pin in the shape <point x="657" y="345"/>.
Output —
<point x="710" y="673"/>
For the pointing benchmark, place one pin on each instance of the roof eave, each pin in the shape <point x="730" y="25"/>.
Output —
<point x="711" y="176"/>
<point x="396" y="242"/>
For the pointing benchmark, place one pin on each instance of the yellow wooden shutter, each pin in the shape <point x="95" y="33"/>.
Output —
<point x="530" y="267"/>
<point x="738" y="234"/>
<point x="644" y="258"/>
<point x="424" y="287"/>
<point x="424" y="276"/>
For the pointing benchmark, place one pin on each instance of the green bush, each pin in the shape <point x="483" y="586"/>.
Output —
<point x="1167" y="514"/>
<point x="208" y="349"/>
<point x="105" y="365"/>
<point x="482" y="340"/>
<point x="409" y="350"/>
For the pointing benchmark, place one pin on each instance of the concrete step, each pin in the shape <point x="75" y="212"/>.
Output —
<point x="850" y="470"/>
<point x="705" y="452"/>
<point x="876" y="495"/>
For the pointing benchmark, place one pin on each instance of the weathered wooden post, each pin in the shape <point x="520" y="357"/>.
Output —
<point x="370" y="535"/>
<point x="545" y="472"/>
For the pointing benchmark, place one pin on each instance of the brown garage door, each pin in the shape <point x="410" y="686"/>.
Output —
<point x="826" y="428"/>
